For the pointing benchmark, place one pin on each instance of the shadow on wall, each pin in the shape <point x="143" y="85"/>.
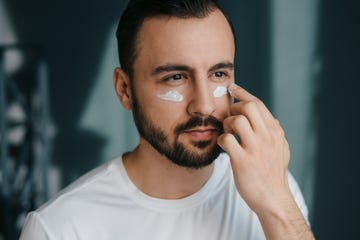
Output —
<point x="74" y="35"/>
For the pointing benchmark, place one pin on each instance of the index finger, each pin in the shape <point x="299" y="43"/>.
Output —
<point x="240" y="93"/>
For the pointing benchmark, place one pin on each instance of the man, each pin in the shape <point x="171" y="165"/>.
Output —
<point x="177" y="57"/>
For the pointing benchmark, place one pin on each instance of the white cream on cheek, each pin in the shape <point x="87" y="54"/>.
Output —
<point x="220" y="91"/>
<point x="175" y="96"/>
<point x="172" y="96"/>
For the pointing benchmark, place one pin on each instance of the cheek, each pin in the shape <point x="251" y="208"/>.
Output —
<point x="220" y="91"/>
<point x="174" y="94"/>
<point x="165" y="113"/>
<point x="171" y="96"/>
<point x="223" y="105"/>
<point x="222" y="98"/>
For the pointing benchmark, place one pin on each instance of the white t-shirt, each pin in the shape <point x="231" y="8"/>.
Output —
<point x="104" y="204"/>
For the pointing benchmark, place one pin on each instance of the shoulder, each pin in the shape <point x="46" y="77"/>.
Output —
<point x="74" y="203"/>
<point x="35" y="228"/>
<point x="89" y="183"/>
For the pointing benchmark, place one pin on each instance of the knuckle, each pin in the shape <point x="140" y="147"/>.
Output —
<point x="287" y="146"/>
<point x="227" y="137"/>
<point x="269" y="140"/>
<point x="279" y="131"/>
<point x="257" y="101"/>
<point x="224" y="138"/>
<point x="276" y="127"/>
<point x="249" y="106"/>
<point x="240" y="120"/>
<point x="277" y="122"/>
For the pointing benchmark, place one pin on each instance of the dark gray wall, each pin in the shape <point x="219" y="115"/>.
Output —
<point x="251" y="20"/>
<point x="73" y="35"/>
<point x="337" y="194"/>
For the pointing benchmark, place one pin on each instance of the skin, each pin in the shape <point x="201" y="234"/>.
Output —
<point x="259" y="163"/>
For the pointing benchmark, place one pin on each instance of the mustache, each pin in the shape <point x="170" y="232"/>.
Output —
<point x="198" y="122"/>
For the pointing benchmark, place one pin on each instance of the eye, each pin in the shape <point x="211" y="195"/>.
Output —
<point x="175" y="78"/>
<point x="219" y="76"/>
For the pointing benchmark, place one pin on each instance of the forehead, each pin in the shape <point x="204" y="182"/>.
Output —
<point x="191" y="40"/>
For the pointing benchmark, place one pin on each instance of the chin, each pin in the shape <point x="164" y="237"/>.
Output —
<point x="196" y="158"/>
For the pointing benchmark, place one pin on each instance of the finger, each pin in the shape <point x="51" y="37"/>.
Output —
<point x="286" y="152"/>
<point x="244" y="96"/>
<point x="240" y="125"/>
<point x="240" y="93"/>
<point x="253" y="114"/>
<point x="279" y="128"/>
<point x="230" y="145"/>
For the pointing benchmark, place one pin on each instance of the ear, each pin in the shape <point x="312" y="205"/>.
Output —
<point x="122" y="87"/>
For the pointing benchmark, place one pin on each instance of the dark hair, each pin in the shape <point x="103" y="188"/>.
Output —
<point x="139" y="10"/>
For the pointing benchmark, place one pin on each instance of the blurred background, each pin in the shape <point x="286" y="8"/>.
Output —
<point x="60" y="117"/>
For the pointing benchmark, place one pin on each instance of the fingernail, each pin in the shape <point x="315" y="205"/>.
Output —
<point x="232" y="87"/>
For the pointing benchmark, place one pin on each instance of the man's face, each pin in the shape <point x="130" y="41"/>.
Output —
<point x="190" y="57"/>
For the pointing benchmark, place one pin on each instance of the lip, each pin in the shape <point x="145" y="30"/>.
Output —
<point x="201" y="134"/>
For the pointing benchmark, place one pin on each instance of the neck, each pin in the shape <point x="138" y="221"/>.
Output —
<point x="158" y="177"/>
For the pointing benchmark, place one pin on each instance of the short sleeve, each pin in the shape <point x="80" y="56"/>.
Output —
<point x="34" y="228"/>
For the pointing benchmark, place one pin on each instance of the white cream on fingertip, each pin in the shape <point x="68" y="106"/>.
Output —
<point x="220" y="91"/>
<point x="172" y="96"/>
<point x="232" y="86"/>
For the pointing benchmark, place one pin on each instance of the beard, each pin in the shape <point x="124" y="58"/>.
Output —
<point x="177" y="152"/>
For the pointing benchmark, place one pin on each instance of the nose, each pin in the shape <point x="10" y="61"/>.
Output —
<point x="202" y="103"/>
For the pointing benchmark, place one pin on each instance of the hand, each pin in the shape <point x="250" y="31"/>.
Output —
<point x="260" y="160"/>
<point x="260" y="166"/>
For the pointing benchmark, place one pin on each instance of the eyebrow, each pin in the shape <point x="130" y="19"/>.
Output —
<point x="227" y="65"/>
<point x="171" y="67"/>
<point x="179" y="67"/>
